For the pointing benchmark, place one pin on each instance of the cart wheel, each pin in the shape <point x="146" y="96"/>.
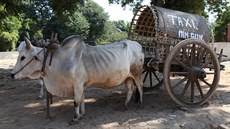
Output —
<point x="191" y="73"/>
<point x="154" y="77"/>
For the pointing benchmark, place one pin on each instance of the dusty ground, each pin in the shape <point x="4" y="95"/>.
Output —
<point x="19" y="108"/>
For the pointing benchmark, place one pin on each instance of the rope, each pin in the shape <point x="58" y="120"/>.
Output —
<point x="28" y="63"/>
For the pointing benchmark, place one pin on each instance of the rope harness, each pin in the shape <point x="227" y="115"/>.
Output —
<point x="50" y="48"/>
<point x="28" y="63"/>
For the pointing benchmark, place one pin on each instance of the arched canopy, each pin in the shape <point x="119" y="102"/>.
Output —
<point x="150" y="22"/>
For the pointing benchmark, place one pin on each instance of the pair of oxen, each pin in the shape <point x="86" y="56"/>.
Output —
<point x="76" y="66"/>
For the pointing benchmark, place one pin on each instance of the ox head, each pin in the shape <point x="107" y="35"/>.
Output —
<point x="29" y="62"/>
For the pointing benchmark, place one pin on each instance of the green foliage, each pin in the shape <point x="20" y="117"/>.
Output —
<point x="122" y="25"/>
<point x="78" y="24"/>
<point x="222" y="10"/>
<point x="9" y="33"/>
<point x="220" y="26"/>
<point x="71" y="25"/>
<point x="112" y="33"/>
<point x="88" y="20"/>
<point x="217" y="6"/>
<point x="190" y="6"/>
<point x="30" y="29"/>
<point x="60" y="6"/>
<point x="11" y="7"/>
<point x="96" y="17"/>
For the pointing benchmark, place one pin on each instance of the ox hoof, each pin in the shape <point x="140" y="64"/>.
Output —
<point x="39" y="98"/>
<point x="124" y="109"/>
<point x="139" y="107"/>
<point x="73" y="122"/>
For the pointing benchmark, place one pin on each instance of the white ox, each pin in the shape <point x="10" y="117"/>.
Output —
<point x="76" y="65"/>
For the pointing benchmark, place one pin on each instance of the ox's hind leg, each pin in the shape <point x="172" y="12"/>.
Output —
<point x="129" y="86"/>
<point x="139" y="91"/>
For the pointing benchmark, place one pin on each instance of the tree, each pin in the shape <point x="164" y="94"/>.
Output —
<point x="217" y="6"/>
<point x="122" y="25"/>
<point x="15" y="7"/>
<point x="220" y="26"/>
<point x="96" y="17"/>
<point x="191" y="6"/>
<point x="9" y="35"/>
<point x="221" y="9"/>
<point x="112" y="33"/>
<point x="71" y="25"/>
<point x="88" y="20"/>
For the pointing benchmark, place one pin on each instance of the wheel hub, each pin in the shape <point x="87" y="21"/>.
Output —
<point x="198" y="73"/>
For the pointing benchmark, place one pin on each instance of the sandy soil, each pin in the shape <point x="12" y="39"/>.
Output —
<point x="19" y="108"/>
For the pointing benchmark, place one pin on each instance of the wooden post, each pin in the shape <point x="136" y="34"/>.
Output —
<point x="49" y="100"/>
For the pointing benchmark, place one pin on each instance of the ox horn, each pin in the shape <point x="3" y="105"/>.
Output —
<point x="28" y="43"/>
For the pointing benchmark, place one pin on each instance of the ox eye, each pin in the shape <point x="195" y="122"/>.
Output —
<point x="22" y="58"/>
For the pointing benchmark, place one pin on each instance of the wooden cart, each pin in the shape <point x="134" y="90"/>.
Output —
<point x="177" y="53"/>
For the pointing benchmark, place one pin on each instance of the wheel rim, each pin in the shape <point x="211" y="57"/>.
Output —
<point x="187" y="78"/>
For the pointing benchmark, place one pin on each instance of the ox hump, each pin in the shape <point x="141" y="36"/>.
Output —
<point x="71" y="41"/>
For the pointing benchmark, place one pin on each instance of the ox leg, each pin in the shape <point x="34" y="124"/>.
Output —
<point x="47" y="105"/>
<point x="139" y="85"/>
<point x="140" y="95"/>
<point x="78" y="96"/>
<point x="129" y="84"/>
<point x="77" y="113"/>
<point x="82" y="107"/>
<point x="82" y="111"/>
<point x="41" y="93"/>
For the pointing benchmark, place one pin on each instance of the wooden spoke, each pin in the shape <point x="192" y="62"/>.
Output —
<point x="180" y="82"/>
<point x="199" y="88"/>
<point x="183" y="65"/>
<point x="144" y="71"/>
<point x="186" y="57"/>
<point x="185" y="88"/>
<point x="156" y="76"/>
<point x="150" y="79"/>
<point x="153" y="81"/>
<point x="205" y="65"/>
<point x="192" y="91"/>
<point x="206" y="82"/>
<point x="201" y="56"/>
<point x="145" y="76"/>
<point x="209" y="73"/>
<point x="193" y="54"/>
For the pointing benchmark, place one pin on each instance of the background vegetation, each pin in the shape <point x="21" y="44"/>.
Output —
<point x="36" y="19"/>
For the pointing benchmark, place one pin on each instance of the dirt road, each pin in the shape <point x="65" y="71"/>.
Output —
<point x="19" y="108"/>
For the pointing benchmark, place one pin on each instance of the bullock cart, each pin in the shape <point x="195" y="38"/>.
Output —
<point x="177" y="53"/>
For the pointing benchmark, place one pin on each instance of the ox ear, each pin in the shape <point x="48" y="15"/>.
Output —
<point x="28" y="43"/>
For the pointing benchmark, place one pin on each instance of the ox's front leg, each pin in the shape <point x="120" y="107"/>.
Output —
<point x="41" y="93"/>
<point x="82" y="110"/>
<point x="78" y="103"/>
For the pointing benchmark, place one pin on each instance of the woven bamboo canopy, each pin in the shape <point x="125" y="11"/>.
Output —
<point x="153" y="25"/>
<point x="153" y="22"/>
